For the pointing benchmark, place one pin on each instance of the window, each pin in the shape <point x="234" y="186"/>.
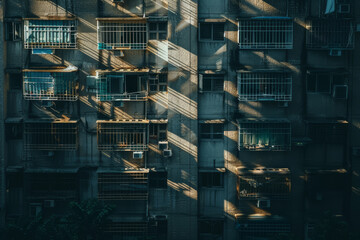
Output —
<point x="50" y="86"/>
<point x="264" y="86"/>
<point x="266" y="33"/>
<point x="15" y="80"/>
<point x="122" y="136"/>
<point x="116" y="87"/>
<point x="264" y="183"/>
<point x="211" y="83"/>
<point x="12" y="30"/>
<point x="330" y="33"/>
<point x="157" y="30"/>
<point x="122" y="34"/>
<point x="323" y="133"/>
<point x="211" y="179"/>
<point x="158" y="82"/>
<point x="50" y="34"/>
<point x="158" y="179"/>
<point x="158" y="131"/>
<point x="211" y="131"/>
<point x="264" y="135"/>
<point x="324" y="82"/>
<point x="212" y="31"/>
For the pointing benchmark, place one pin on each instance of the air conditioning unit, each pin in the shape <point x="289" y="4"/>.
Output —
<point x="49" y="203"/>
<point x="163" y="145"/>
<point x="138" y="155"/>
<point x="167" y="153"/>
<point x="263" y="203"/>
<point x="335" y="52"/>
<point x="344" y="8"/>
<point x="340" y="91"/>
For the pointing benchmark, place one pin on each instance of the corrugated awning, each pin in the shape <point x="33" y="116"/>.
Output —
<point x="212" y="121"/>
<point x="124" y="70"/>
<point x="158" y="121"/>
<point x="124" y="121"/>
<point x="52" y="69"/>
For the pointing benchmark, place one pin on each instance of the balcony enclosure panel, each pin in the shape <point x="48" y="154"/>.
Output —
<point x="266" y="33"/>
<point x="51" y="135"/>
<point x="264" y="136"/>
<point x="50" y="86"/>
<point x="53" y="34"/>
<point x="115" y="136"/>
<point x="330" y="34"/>
<point x="117" y="34"/>
<point x="264" y="86"/>
<point x="121" y="87"/>
<point x="123" y="186"/>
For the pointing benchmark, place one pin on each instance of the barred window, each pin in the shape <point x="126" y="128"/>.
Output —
<point x="264" y="86"/>
<point x="50" y="34"/>
<point x="117" y="34"/>
<point x="212" y="31"/>
<point x="12" y="30"/>
<point x="211" y="83"/>
<point x="266" y="33"/>
<point x="211" y="131"/>
<point x="264" y="135"/>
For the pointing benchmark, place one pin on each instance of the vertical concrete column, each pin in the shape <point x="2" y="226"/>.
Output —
<point x="182" y="115"/>
<point x="2" y="118"/>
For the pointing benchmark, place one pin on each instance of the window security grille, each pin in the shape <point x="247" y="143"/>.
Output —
<point x="330" y="34"/>
<point x="50" y="86"/>
<point x="50" y="34"/>
<point x="266" y="33"/>
<point x="122" y="35"/>
<point x="272" y="185"/>
<point x="115" y="136"/>
<point x="51" y="136"/>
<point x="211" y="131"/>
<point x="212" y="31"/>
<point x="121" y="87"/>
<point x="158" y="30"/>
<point x="211" y="83"/>
<point x="123" y="186"/>
<point x="264" y="136"/>
<point x="257" y="86"/>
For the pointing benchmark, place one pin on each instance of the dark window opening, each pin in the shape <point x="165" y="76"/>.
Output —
<point x="13" y="31"/>
<point x="212" y="31"/>
<point x="211" y="131"/>
<point x="158" y="179"/>
<point x="211" y="179"/>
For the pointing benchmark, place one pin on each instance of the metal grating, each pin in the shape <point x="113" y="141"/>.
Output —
<point x="264" y="136"/>
<point x="264" y="86"/>
<point x="123" y="186"/>
<point x="121" y="88"/>
<point x="266" y="33"/>
<point x="272" y="185"/>
<point x="50" y="34"/>
<point x="50" y="86"/>
<point x="113" y="136"/>
<point x="51" y="136"/>
<point x="122" y="34"/>
<point x="330" y="34"/>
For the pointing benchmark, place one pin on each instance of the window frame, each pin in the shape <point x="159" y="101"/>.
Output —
<point x="158" y="179"/>
<point x="211" y="134"/>
<point x="155" y="131"/>
<point x="209" y="180"/>
<point x="211" y="39"/>
<point x="331" y="78"/>
<point x="155" y="81"/>
<point x="212" y="78"/>
<point x="13" y="22"/>
<point x="157" y="31"/>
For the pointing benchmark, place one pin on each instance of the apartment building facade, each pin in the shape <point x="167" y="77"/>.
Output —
<point x="233" y="119"/>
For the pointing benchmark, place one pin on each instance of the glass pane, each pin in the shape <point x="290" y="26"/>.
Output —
<point x="153" y="36"/>
<point x="205" y="31"/>
<point x="218" y="31"/>
<point x="152" y="26"/>
<point x="163" y="26"/>
<point x="162" y="36"/>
